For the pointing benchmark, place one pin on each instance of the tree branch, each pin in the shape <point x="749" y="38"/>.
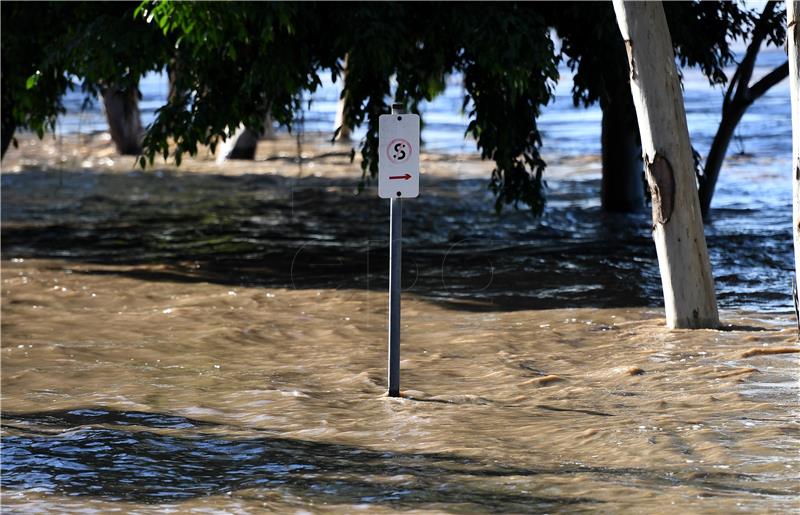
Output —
<point x="749" y="60"/>
<point x="767" y="81"/>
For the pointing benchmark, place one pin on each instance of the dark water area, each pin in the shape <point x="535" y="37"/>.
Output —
<point x="312" y="232"/>
<point x="160" y="468"/>
<point x="580" y="251"/>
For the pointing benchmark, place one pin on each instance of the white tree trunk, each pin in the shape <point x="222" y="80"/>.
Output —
<point x="689" y="298"/>
<point x="344" y="133"/>
<point x="792" y="36"/>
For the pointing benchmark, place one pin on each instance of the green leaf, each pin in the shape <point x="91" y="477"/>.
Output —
<point x="33" y="80"/>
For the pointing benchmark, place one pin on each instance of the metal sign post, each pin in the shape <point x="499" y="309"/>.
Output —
<point x="398" y="177"/>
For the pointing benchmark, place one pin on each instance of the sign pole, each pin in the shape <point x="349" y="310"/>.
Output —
<point x="398" y="179"/>
<point x="395" y="258"/>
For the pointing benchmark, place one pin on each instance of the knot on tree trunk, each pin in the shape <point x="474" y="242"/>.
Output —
<point x="661" y="180"/>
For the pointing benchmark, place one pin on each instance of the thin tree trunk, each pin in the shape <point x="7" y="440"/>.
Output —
<point x="124" y="124"/>
<point x="622" y="187"/>
<point x="686" y="279"/>
<point x="269" y="130"/>
<point x="716" y="156"/>
<point x="338" y="124"/>
<point x="738" y="98"/>
<point x="793" y="44"/>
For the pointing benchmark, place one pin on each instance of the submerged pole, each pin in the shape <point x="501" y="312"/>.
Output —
<point x="395" y="259"/>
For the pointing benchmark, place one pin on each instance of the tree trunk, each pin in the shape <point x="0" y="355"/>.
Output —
<point x="124" y="124"/>
<point x="622" y="188"/>
<point x="716" y="156"/>
<point x="241" y="144"/>
<point x="793" y="44"/>
<point x="269" y="130"/>
<point x="686" y="279"/>
<point x="338" y="124"/>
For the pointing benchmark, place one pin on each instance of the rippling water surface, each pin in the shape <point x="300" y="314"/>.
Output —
<point x="213" y="338"/>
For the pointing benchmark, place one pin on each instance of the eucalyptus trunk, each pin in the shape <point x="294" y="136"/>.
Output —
<point x="344" y="131"/>
<point x="689" y="297"/>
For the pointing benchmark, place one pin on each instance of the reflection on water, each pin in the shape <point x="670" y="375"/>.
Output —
<point x="216" y="340"/>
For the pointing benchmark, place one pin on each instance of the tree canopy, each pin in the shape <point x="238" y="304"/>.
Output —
<point x="234" y="62"/>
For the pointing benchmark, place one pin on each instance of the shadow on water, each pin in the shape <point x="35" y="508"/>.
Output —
<point x="313" y="232"/>
<point x="156" y="458"/>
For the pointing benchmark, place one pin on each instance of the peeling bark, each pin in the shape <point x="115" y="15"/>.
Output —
<point x="661" y="180"/>
<point x="631" y="63"/>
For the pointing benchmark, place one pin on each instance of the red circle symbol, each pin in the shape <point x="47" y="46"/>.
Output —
<point x="398" y="150"/>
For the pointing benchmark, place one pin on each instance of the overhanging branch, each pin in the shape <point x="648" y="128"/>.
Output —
<point x="767" y="81"/>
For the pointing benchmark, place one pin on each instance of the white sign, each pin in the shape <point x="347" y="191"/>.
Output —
<point x="398" y="158"/>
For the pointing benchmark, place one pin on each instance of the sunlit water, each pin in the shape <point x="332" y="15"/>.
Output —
<point x="213" y="338"/>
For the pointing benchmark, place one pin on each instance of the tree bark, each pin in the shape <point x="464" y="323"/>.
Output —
<point x="622" y="188"/>
<point x="793" y="46"/>
<point x="738" y="98"/>
<point x="124" y="123"/>
<point x="686" y="279"/>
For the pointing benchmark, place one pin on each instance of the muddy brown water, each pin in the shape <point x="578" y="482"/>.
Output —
<point x="215" y="340"/>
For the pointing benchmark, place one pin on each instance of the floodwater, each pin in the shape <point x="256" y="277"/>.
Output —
<point x="213" y="339"/>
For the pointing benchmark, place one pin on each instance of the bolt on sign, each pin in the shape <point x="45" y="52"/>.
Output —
<point x="398" y="158"/>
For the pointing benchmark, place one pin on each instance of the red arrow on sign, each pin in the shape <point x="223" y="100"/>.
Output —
<point x="404" y="177"/>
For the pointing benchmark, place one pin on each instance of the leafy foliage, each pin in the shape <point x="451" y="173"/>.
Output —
<point x="31" y="96"/>
<point x="234" y="62"/>
<point x="701" y="32"/>
<point x="505" y="55"/>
